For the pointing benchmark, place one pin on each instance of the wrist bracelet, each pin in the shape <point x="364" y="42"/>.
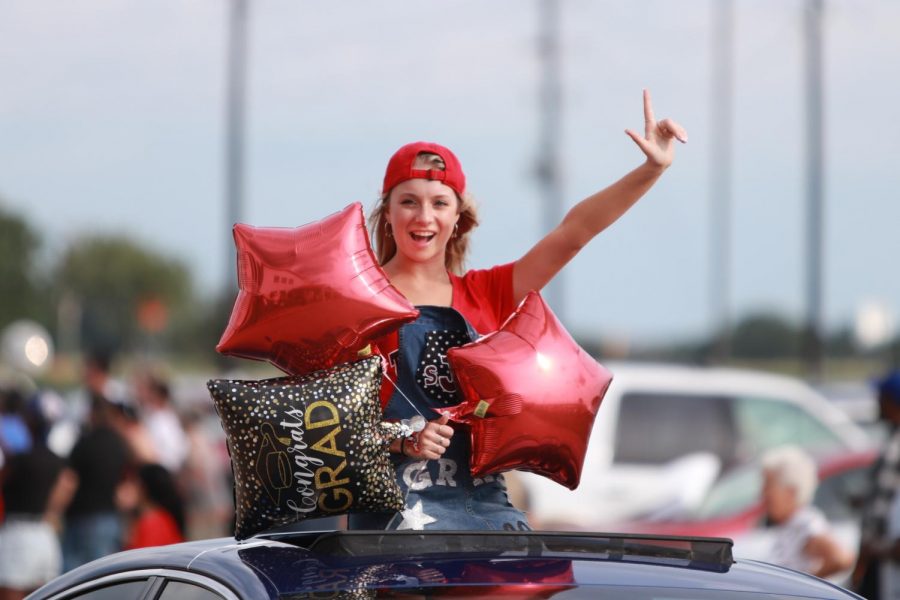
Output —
<point x="412" y="439"/>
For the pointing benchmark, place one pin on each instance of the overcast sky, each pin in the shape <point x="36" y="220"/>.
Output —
<point x="111" y="119"/>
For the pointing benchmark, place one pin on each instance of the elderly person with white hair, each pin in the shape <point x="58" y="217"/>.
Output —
<point x="802" y="537"/>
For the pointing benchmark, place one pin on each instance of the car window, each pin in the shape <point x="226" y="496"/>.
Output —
<point x="126" y="590"/>
<point x="840" y="496"/>
<point x="765" y="423"/>
<point x="181" y="590"/>
<point x="656" y="428"/>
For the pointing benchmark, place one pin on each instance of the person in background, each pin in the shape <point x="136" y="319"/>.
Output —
<point x="14" y="435"/>
<point x="803" y="540"/>
<point x="158" y="509"/>
<point x="126" y="421"/>
<point x="99" y="460"/>
<point x="889" y="580"/>
<point x="876" y="545"/>
<point x="161" y="420"/>
<point x="204" y="480"/>
<point x="36" y="487"/>
<point x="97" y="384"/>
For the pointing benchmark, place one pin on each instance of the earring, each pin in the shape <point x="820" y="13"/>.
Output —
<point x="456" y="230"/>
<point x="387" y="229"/>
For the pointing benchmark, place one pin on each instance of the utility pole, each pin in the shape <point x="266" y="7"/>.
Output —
<point x="234" y="131"/>
<point x="722" y="103"/>
<point x="548" y="163"/>
<point x="813" y="350"/>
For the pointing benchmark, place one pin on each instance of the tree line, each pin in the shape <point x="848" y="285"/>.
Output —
<point x="104" y="292"/>
<point x="112" y="293"/>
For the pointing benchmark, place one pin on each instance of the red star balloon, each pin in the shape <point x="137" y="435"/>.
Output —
<point x="531" y="395"/>
<point x="311" y="296"/>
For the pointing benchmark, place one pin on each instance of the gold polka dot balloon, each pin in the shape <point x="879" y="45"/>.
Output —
<point x="306" y="447"/>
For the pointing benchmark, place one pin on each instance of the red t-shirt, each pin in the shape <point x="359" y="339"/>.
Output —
<point x="483" y="296"/>
<point x="155" y="527"/>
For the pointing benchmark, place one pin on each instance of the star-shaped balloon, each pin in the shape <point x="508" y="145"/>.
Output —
<point x="530" y="396"/>
<point x="306" y="447"/>
<point x="311" y="296"/>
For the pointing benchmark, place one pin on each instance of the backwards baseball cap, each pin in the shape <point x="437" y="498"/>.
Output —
<point x="402" y="165"/>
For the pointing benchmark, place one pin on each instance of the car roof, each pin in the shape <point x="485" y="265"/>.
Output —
<point x="673" y="377"/>
<point x="312" y="563"/>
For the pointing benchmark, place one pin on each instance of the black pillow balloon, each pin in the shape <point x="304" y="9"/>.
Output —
<point x="307" y="446"/>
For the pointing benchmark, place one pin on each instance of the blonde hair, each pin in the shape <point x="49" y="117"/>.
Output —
<point x="792" y="467"/>
<point x="457" y="247"/>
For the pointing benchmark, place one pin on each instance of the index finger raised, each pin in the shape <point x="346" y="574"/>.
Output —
<point x="648" y="107"/>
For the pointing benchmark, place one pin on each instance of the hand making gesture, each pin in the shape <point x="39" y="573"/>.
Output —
<point x="658" y="135"/>
<point x="599" y="210"/>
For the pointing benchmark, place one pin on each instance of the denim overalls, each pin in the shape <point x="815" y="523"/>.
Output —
<point x="441" y="494"/>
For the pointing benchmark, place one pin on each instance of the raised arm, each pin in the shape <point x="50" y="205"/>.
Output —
<point x="598" y="211"/>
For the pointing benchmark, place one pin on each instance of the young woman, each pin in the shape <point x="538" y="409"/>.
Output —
<point x="420" y="228"/>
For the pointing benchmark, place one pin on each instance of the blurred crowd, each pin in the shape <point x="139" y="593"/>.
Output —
<point x="115" y="464"/>
<point x="120" y="463"/>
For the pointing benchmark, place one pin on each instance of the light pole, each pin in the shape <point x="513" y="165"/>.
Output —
<point x="721" y="100"/>
<point x="813" y="350"/>
<point x="548" y="163"/>
<point x="234" y="130"/>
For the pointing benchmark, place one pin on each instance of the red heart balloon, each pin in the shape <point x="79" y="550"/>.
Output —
<point x="311" y="296"/>
<point x="531" y="395"/>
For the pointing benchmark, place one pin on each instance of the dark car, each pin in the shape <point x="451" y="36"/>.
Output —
<point x="434" y="564"/>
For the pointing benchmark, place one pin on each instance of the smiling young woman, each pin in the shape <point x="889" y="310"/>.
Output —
<point x="425" y="213"/>
<point x="420" y="228"/>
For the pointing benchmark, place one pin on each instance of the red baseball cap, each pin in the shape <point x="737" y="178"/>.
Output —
<point x="401" y="167"/>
